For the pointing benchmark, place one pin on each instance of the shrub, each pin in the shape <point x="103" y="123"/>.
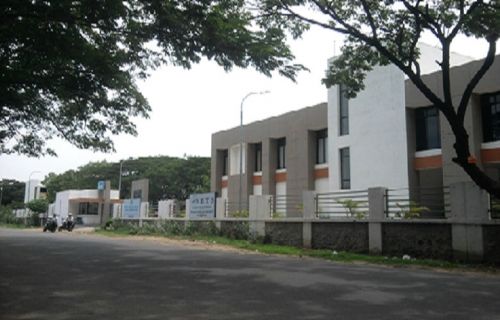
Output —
<point x="205" y="228"/>
<point x="7" y="216"/>
<point x="412" y="210"/>
<point x="238" y="230"/>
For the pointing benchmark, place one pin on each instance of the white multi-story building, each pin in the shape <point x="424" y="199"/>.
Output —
<point x="34" y="189"/>
<point x="391" y="136"/>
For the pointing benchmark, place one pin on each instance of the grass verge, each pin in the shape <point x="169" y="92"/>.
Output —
<point x="14" y="226"/>
<point x="326" y="254"/>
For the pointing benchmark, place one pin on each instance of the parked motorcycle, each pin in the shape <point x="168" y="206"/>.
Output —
<point x="68" y="224"/>
<point x="50" y="225"/>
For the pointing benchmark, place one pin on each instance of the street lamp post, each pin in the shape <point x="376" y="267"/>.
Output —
<point x="120" y="180"/>
<point x="241" y="144"/>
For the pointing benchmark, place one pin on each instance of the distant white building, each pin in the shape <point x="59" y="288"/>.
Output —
<point x="34" y="189"/>
<point x="86" y="205"/>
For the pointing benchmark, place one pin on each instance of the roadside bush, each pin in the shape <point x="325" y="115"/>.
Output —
<point x="108" y="225"/>
<point x="34" y="220"/>
<point x="125" y="226"/>
<point x="203" y="228"/>
<point x="7" y="216"/>
<point x="173" y="227"/>
<point x="238" y="230"/>
<point x="255" y="239"/>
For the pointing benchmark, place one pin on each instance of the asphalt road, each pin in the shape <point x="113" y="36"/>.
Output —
<point x="71" y="276"/>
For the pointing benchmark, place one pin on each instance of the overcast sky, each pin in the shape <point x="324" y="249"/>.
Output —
<point x="189" y="105"/>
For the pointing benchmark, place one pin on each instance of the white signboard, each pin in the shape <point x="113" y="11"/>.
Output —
<point x="131" y="208"/>
<point x="202" y="206"/>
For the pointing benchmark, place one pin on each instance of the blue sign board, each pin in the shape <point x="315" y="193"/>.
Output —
<point x="202" y="206"/>
<point x="131" y="208"/>
<point x="101" y="185"/>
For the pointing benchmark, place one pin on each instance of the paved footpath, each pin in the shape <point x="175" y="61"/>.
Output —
<point x="78" y="276"/>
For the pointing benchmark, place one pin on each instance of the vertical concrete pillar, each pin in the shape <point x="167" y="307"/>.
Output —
<point x="188" y="209"/>
<point x="376" y="207"/>
<point x="220" y="211"/>
<point x="144" y="209"/>
<point x="469" y="209"/>
<point x="308" y="213"/>
<point x="104" y="209"/>
<point x="164" y="209"/>
<point x="259" y="212"/>
<point x="220" y="208"/>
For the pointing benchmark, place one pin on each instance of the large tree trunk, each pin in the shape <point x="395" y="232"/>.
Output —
<point x="469" y="164"/>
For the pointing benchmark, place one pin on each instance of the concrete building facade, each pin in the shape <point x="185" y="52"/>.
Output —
<point x="396" y="139"/>
<point x="388" y="136"/>
<point x="481" y="122"/>
<point x="92" y="207"/>
<point x="282" y="157"/>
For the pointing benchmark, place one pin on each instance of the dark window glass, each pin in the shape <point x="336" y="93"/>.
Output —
<point x="345" y="169"/>
<point x="225" y="163"/>
<point x="85" y="208"/>
<point x="93" y="208"/>
<point x="258" y="157"/>
<point x="281" y="153"/>
<point x="490" y="105"/>
<point x="343" y="112"/>
<point x="82" y="208"/>
<point x="427" y="127"/>
<point x="322" y="146"/>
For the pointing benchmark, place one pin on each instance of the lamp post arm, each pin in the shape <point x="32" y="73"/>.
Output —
<point x="241" y="144"/>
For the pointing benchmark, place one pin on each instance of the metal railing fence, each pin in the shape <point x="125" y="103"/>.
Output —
<point x="494" y="207"/>
<point x="406" y="203"/>
<point x="342" y="204"/>
<point x="289" y="205"/>
<point x="232" y="209"/>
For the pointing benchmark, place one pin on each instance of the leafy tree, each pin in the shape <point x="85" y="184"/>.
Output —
<point x="383" y="32"/>
<point x="38" y="205"/>
<point x="12" y="192"/>
<point x="68" y="68"/>
<point x="169" y="177"/>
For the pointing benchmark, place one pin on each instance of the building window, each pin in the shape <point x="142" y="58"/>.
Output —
<point x="88" y="208"/>
<point x="427" y="124"/>
<point x="137" y="194"/>
<point x="490" y="105"/>
<point x="281" y="153"/>
<point x="322" y="146"/>
<point x="343" y="111"/>
<point x="345" y="169"/>
<point x="258" y="157"/>
<point x="237" y="159"/>
<point x="225" y="162"/>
